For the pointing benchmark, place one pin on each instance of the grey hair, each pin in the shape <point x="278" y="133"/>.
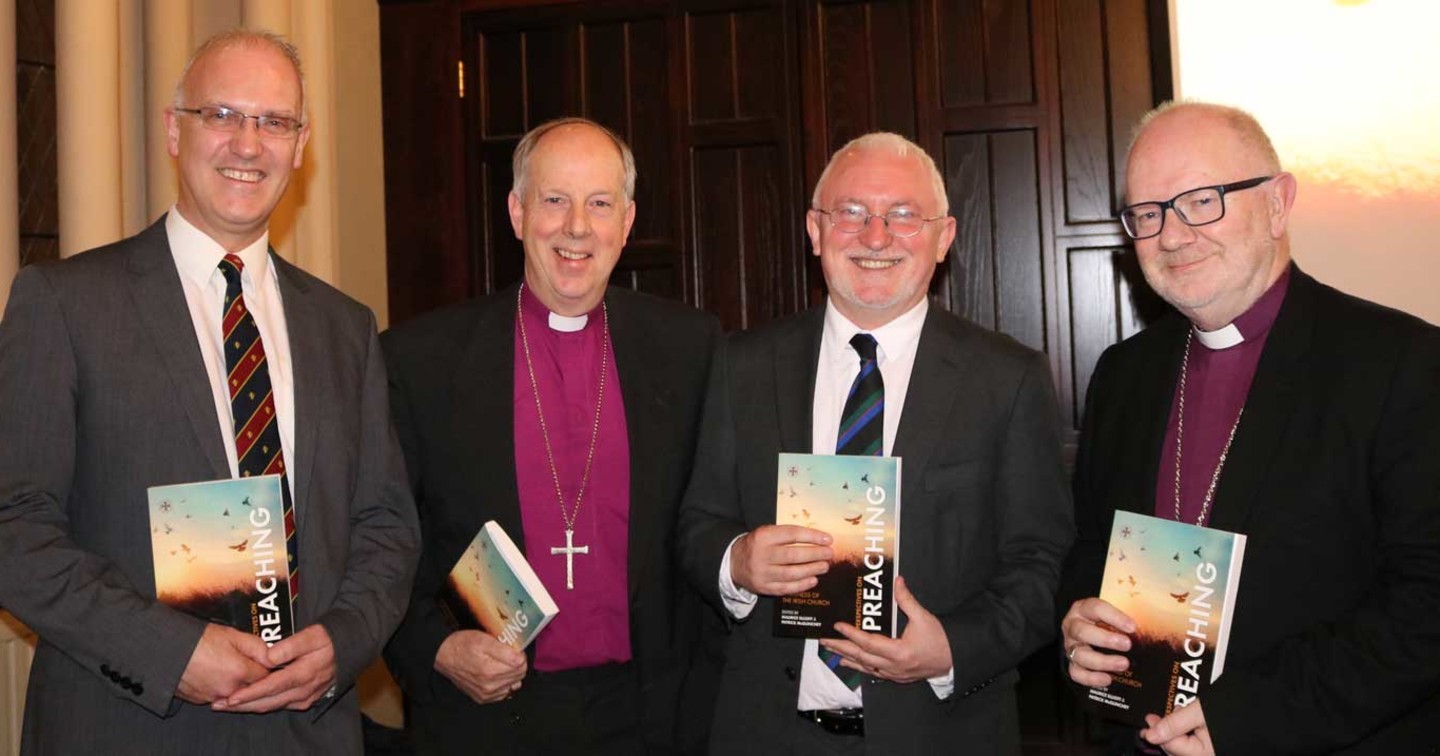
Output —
<point x="520" y="163"/>
<point x="1245" y="126"/>
<point x="894" y="143"/>
<point x="241" y="38"/>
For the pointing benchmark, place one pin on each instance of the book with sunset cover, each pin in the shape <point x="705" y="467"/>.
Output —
<point x="856" y="499"/>
<point x="1178" y="583"/>
<point x="492" y="588"/>
<point x="219" y="551"/>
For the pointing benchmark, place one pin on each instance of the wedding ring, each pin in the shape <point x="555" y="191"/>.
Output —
<point x="1070" y="655"/>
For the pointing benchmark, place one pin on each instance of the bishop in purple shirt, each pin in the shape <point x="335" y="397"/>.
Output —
<point x="1277" y="407"/>
<point x="566" y="410"/>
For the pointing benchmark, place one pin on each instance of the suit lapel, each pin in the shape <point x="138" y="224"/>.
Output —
<point x="483" y="429"/>
<point x="159" y="298"/>
<point x="648" y="405"/>
<point x="936" y="379"/>
<point x="307" y="344"/>
<point x="1268" y="407"/>
<point x="1152" y="400"/>
<point x="797" y="354"/>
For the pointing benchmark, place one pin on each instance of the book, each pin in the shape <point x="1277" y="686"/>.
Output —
<point x="492" y="588"/>
<point x="1178" y="583"/>
<point x="219" y="552"/>
<point x="856" y="499"/>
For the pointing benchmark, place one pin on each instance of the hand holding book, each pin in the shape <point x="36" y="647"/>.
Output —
<point x="482" y="667"/>
<point x="1091" y="625"/>
<point x="922" y="652"/>
<point x="780" y="560"/>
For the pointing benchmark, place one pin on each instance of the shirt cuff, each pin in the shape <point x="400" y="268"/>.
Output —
<point x="740" y="602"/>
<point x="943" y="685"/>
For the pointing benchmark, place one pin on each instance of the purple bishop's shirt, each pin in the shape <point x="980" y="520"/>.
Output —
<point x="593" y="626"/>
<point x="1222" y="365"/>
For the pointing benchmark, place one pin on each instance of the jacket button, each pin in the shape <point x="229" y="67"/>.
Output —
<point x="790" y="674"/>
<point x="105" y="669"/>
<point x="139" y="689"/>
<point x="514" y="719"/>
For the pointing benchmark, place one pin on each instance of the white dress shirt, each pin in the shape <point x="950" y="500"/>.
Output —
<point x="835" y="371"/>
<point x="197" y="257"/>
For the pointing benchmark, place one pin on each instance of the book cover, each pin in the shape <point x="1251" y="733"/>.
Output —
<point x="493" y="588"/>
<point x="1178" y="583"/>
<point x="219" y="551"/>
<point x="856" y="499"/>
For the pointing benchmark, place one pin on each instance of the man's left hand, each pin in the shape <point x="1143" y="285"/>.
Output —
<point x="305" y="670"/>
<point x="1181" y="733"/>
<point x="920" y="653"/>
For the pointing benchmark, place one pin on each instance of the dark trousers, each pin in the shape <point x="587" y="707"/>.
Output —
<point x="583" y="711"/>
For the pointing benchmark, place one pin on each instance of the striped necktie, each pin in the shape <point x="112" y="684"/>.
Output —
<point x="252" y="404"/>
<point x="862" y="432"/>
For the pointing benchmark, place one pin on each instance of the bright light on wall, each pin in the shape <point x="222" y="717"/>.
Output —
<point x="1346" y="89"/>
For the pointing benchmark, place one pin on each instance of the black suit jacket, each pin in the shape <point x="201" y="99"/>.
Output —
<point x="103" y="393"/>
<point x="1334" y="476"/>
<point x="452" y="390"/>
<point x="984" y="515"/>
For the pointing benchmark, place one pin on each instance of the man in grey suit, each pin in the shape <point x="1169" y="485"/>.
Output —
<point x="113" y="379"/>
<point x="985" y="516"/>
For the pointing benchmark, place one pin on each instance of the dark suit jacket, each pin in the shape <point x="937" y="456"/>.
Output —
<point x="985" y="523"/>
<point x="452" y="387"/>
<point x="1334" y="476"/>
<point x="103" y="393"/>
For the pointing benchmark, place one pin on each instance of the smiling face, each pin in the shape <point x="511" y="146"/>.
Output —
<point x="873" y="276"/>
<point x="231" y="182"/>
<point x="574" y="218"/>
<point x="1211" y="273"/>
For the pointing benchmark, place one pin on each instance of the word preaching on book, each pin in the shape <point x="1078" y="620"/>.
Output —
<point x="265" y="624"/>
<point x="1196" y="639"/>
<point x="873" y="595"/>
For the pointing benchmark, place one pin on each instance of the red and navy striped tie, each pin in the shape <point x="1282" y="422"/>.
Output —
<point x="862" y="432"/>
<point x="252" y="403"/>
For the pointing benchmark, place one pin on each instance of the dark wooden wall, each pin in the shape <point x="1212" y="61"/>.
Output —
<point x="734" y="106"/>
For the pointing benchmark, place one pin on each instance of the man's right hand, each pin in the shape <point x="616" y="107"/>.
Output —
<point x="1089" y="626"/>
<point x="484" y="668"/>
<point x="224" y="661"/>
<point x="780" y="560"/>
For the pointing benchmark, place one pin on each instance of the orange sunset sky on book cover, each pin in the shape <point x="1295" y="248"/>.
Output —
<point x="1150" y="571"/>
<point x="204" y="536"/>
<point x="829" y="493"/>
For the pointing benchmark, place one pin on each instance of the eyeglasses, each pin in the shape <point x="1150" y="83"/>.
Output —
<point x="1197" y="207"/>
<point x="220" y="118"/>
<point x="900" y="222"/>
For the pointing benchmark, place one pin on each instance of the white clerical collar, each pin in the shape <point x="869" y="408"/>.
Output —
<point x="198" y="256"/>
<point x="1223" y="338"/>
<point x="567" y="324"/>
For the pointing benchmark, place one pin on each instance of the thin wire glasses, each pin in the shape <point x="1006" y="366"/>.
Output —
<point x="901" y="222"/>
<point x="1197" y="207"/>
<point x="221" y="118"/>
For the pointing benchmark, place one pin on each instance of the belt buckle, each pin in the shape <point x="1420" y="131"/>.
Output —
<point x="841" y="722"/>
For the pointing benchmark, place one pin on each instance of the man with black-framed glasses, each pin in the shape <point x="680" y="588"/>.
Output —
<point x="1277" y="407"/>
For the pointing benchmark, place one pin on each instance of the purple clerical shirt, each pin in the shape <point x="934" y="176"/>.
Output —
<point x="593" y="626"/>
<point x="1215" y="390"/>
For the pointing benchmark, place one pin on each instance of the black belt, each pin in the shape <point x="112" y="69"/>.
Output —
<point x="837" y="721"/>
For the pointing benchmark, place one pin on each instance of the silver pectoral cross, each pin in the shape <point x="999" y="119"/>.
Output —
<point x="569" y="550"/>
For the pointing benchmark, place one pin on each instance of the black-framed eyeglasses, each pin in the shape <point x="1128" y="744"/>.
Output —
<point x="221" y="118"/>
<point x="1197" y="207"/>
<point x="852" y="219"/>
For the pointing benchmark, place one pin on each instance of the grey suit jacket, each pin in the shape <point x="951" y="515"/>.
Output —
<point x="103" y="393"/>
<point x="985" y="522"/>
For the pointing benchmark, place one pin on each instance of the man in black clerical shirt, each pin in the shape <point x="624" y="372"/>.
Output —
<point x="1330" y="411"/>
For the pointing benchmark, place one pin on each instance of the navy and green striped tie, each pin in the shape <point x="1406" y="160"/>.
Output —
<point x="862" y="432"/>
